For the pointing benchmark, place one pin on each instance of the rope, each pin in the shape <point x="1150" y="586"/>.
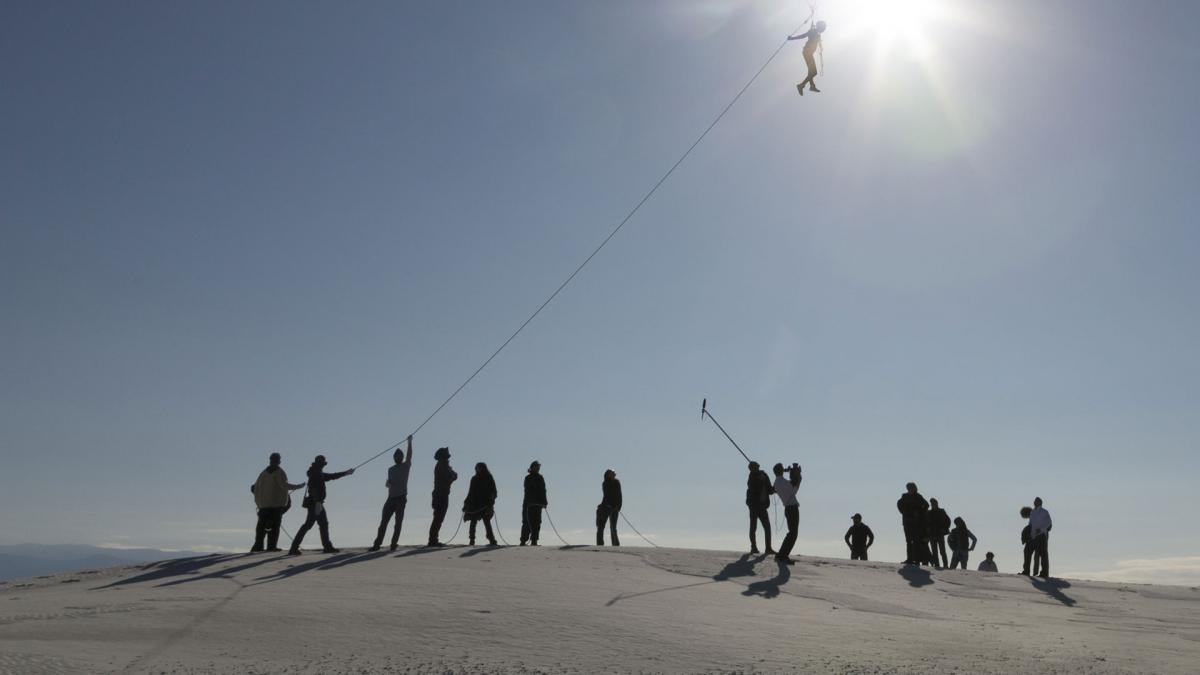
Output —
<point x="635" y="530"/>
<point x="451" y="539"/>
<point x="496" y="517"/>
<point x="629" y="216"/>
<point x="552" y="527"/>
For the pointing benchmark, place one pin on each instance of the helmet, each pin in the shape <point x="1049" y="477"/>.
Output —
<point x="820" y="25"/>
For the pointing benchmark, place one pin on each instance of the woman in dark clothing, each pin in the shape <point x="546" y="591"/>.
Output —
<point x="609" y="508"/>
<point x="481" y="502"/>
<point x="962" y="542"/>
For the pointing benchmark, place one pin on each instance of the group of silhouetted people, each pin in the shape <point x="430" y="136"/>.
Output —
<point x="272" y="496"/>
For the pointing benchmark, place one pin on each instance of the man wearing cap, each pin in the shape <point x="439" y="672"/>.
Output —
<point x="443" y="477"/>
<point x="272" y="499"/>
<point x="758" y="500"/>
<point x="859" y="538"/>
<point x="314" y="502"/>
<point x="397" y="485"/>
<point x="531" y="507"/>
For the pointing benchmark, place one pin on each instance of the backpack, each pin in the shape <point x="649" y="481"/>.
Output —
<point x="953" y="539"/>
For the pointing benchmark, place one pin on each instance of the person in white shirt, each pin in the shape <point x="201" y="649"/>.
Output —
<point x="786" y="488"/>
<point x="1039" y="535"/>
<point x="397" y="485"/>
<point x="989" y="565"/>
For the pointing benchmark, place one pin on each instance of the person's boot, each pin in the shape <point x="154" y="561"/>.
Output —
<point x="394" y="546"/>
<point x="294" y="551"/>
<point x="800" y="88"/>
<point x="813" y="87"/>
<point x="522" y="543"/>
<point x="533" y="543"/>
<point x="492" y="542"/>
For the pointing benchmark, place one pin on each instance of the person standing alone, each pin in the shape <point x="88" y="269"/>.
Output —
<point x="859" y="538"/>
<point x="787" y="488"/>
<point x="532" y="505"/>
<point x="397" y="485"/>
<point x="609" y="508"/>
<point x="758" y="500"/>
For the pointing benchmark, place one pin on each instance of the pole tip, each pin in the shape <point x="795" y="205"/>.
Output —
<point x="703" y="408"/>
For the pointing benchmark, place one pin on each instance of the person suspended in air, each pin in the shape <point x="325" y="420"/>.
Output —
<point x="813" y="35"/>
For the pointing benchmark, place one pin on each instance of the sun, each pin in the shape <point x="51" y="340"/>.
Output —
<point x="896" y="24"/>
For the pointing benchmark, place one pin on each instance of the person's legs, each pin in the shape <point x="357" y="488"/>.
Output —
<point x="1042" y="556"/>
<point x="525" y="523"/>
<point x="487" y="528"/>
<point x="601" y="519"/>
<point x="910" y="545"/>
<point x="384" y="518"/>
<point x="439" y="514"/>
<point x="260" y="531"/>
<point x="937" y="544"/>
<point x="471" y="531"/>
<point x="792" y="515"/>
<point x="765" y="519"/>
<point x="323" y="525"/>
<point x="398" y="509"/>
<point x="274" y="525"/>
<point x="612" y="527"/>
<point x="309" y="521"/>
<point x="535" y="524"/>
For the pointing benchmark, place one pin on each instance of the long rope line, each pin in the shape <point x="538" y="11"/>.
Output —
<point x="629" y="216"/>
<point x="635" y="530"/>
<point x="496" y="517"/>
<point x="552" y="527"/>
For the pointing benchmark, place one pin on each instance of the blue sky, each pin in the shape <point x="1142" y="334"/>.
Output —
<point x="230" y="229"/>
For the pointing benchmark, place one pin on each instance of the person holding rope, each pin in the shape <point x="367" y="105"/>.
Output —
<point x="758" y="500"/>
<point x="314" y="503"/>
<point x="443" y="478"/>
<point x="532" y="505"/>
<point x="397" y="485"/>
<point x="480" y="503"/>
<point x="272" y="499"/>
<point x="813" y="35"/>
<point x="609" y="508"/>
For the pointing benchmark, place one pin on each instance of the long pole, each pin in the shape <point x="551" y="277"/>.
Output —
<point x="704" y="412"/>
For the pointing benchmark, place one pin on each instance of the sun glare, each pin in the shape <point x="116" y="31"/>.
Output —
<point x="895" y="24"/>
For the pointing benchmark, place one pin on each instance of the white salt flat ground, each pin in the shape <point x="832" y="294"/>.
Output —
<point x="583" y="610"/>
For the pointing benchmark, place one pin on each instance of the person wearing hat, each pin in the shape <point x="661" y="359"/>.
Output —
<point x="758" y="500"/>
<point x="532" y="505"/>
<point x="272" y="499"/>
<point x="443" y="477"/>
<point x="609" y="508"/>
<point x="314" y="502"/>
<point x="859" y="538"/>
<point x="397" y="485"/>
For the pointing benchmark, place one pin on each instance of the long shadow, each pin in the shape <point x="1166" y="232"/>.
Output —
<point x="483" y="549"/>
<point x="571" y="547"/>
<point x="423" y="550"/>
<point x="1052" y="588"/>
<point x="288" y="572"/>
<point x="224" y="573"/>
<point x="769" y="588"/>
<point x="627" y="596"/>
<point x="916" y="576"/>
<point x="358" y="558"/>
<point x="174" y="568"/>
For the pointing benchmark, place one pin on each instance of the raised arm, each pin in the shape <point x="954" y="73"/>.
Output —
<point x="408" y="455"/>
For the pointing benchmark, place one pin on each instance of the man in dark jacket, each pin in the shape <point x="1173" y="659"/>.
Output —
<point x="912" y="507"/>
<point x="938" y="526"/>
<point x="443" y="477"/>
<point x="1027" y="544"/>
<point x="315" y="505"/>
<point x="758" y="500"/>
<point x="532" y="505"/>
<point x="859" y="538"/>
<point x="272" y="499"/>
<point x="609" y="508"/>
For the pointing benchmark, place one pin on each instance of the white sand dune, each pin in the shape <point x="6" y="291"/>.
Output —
<point x="583" y="610"/>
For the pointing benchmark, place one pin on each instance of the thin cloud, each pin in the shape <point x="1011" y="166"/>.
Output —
<point x="1178" y="570"/>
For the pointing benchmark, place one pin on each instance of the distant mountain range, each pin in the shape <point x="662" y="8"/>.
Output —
<point x="32" y="560"/>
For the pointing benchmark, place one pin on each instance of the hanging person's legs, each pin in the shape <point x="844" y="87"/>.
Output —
<point x="810" y="79"/>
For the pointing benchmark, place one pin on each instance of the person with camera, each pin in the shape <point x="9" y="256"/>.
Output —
<point x="314" y="503"/>
<point x="787" y="488"/>
<point x="272" y="499"/>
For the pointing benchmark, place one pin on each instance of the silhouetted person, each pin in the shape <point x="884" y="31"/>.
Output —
<point x="315" y="504"/>
<point x="1027" y="541"/>
<point x="813" y="35"/>
<point x="962" y="541"/>
<point x="397" y="485"/>
<point x="443" y="477"/>
<point x="272" y="499"/>
<point x="937" y="524"/>
<point x="609" y="508"/>
<point x="912" y="507"/>
<point x="989" y="563"/>
<point x="758" y="500"/>
<point x="532" y="505"/>
<point x="787" y="488"/>
<point x="1039" y="535"/>
<point x="480" y="503"/>
<point x="859" y="538"/>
